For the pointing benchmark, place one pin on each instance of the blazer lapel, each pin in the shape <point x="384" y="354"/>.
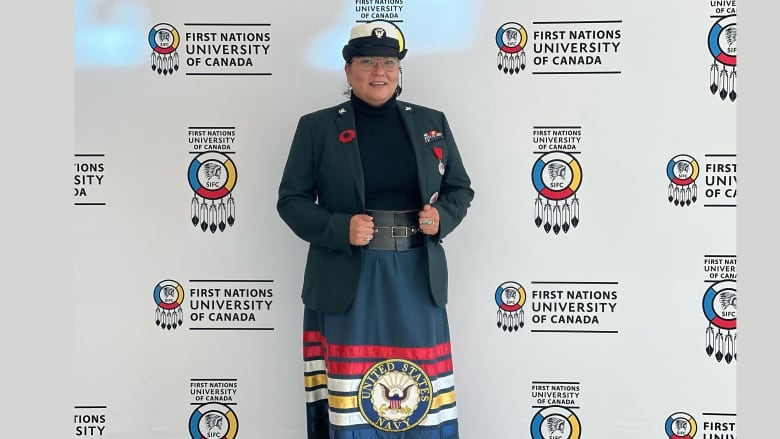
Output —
<point x="345" y="120"/>
<point x="414" y="130"/>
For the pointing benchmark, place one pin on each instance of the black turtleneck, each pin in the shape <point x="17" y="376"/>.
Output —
<point x="389" y="166"/>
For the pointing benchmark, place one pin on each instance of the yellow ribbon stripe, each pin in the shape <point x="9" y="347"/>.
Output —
<point x="443" y="399"/>
<point x="315" y="380"/>
<point x="351" y="402"/>
<point x="343" y="402"/>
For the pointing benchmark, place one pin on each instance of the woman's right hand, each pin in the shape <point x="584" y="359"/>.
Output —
<point x="361" y="229"/>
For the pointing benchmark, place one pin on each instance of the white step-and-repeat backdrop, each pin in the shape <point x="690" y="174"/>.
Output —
<point x="593" y="284"/>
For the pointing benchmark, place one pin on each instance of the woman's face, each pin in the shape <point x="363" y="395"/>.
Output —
<point x="376" y="85"/>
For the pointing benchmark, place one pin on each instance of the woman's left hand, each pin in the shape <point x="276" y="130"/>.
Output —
<point x="429" y="220"/>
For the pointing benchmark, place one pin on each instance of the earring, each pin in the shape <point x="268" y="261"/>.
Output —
<point x="399" y="87"/>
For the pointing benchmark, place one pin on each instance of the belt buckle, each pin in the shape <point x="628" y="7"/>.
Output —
<point x="394" y="234"/>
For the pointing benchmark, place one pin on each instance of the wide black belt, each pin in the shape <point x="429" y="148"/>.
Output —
<point x="396" y="230"/>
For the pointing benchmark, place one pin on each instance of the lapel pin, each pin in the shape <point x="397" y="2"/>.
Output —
<point x="430" y="136"/>
<point x="347" y="136"/>
<point x="342" y="111"/>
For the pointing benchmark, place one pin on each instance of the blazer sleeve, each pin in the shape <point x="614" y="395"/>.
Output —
<point x="455" y="194"/>
<point x="298" y="204"/>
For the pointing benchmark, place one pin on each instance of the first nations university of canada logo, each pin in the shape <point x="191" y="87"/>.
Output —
<point x="510" y="298"/>
<point x="555" y="422"/>
<point x="395" y="395"/>
<point x="511" y="39"/>
<point x="213" y="421"/>
<point x="556" y="176"/>
<point x="722" y="42"/>
<point x="680" y="425"/>
<point x="212" y="177"/>
<point x="164" y="40"/>
<point x="169" y="295"/>
<point x="682" y="171"/>
<point x="720" y="308"/>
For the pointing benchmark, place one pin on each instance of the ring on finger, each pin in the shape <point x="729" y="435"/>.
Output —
<point x="426" y="222"/>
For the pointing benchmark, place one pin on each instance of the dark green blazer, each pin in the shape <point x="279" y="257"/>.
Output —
<point x="322" y="188"/>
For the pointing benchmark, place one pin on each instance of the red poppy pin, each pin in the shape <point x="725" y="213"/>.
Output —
<point x="439" y="155"/>
<point x="347" y="136"/>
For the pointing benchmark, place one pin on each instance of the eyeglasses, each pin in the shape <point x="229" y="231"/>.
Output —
<point x="368" y="63"/>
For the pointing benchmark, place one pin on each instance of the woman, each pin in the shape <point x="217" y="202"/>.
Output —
<point x="374" y="185"/>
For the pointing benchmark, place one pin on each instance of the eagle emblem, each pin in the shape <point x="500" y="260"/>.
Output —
<point x="378" y="32"/>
